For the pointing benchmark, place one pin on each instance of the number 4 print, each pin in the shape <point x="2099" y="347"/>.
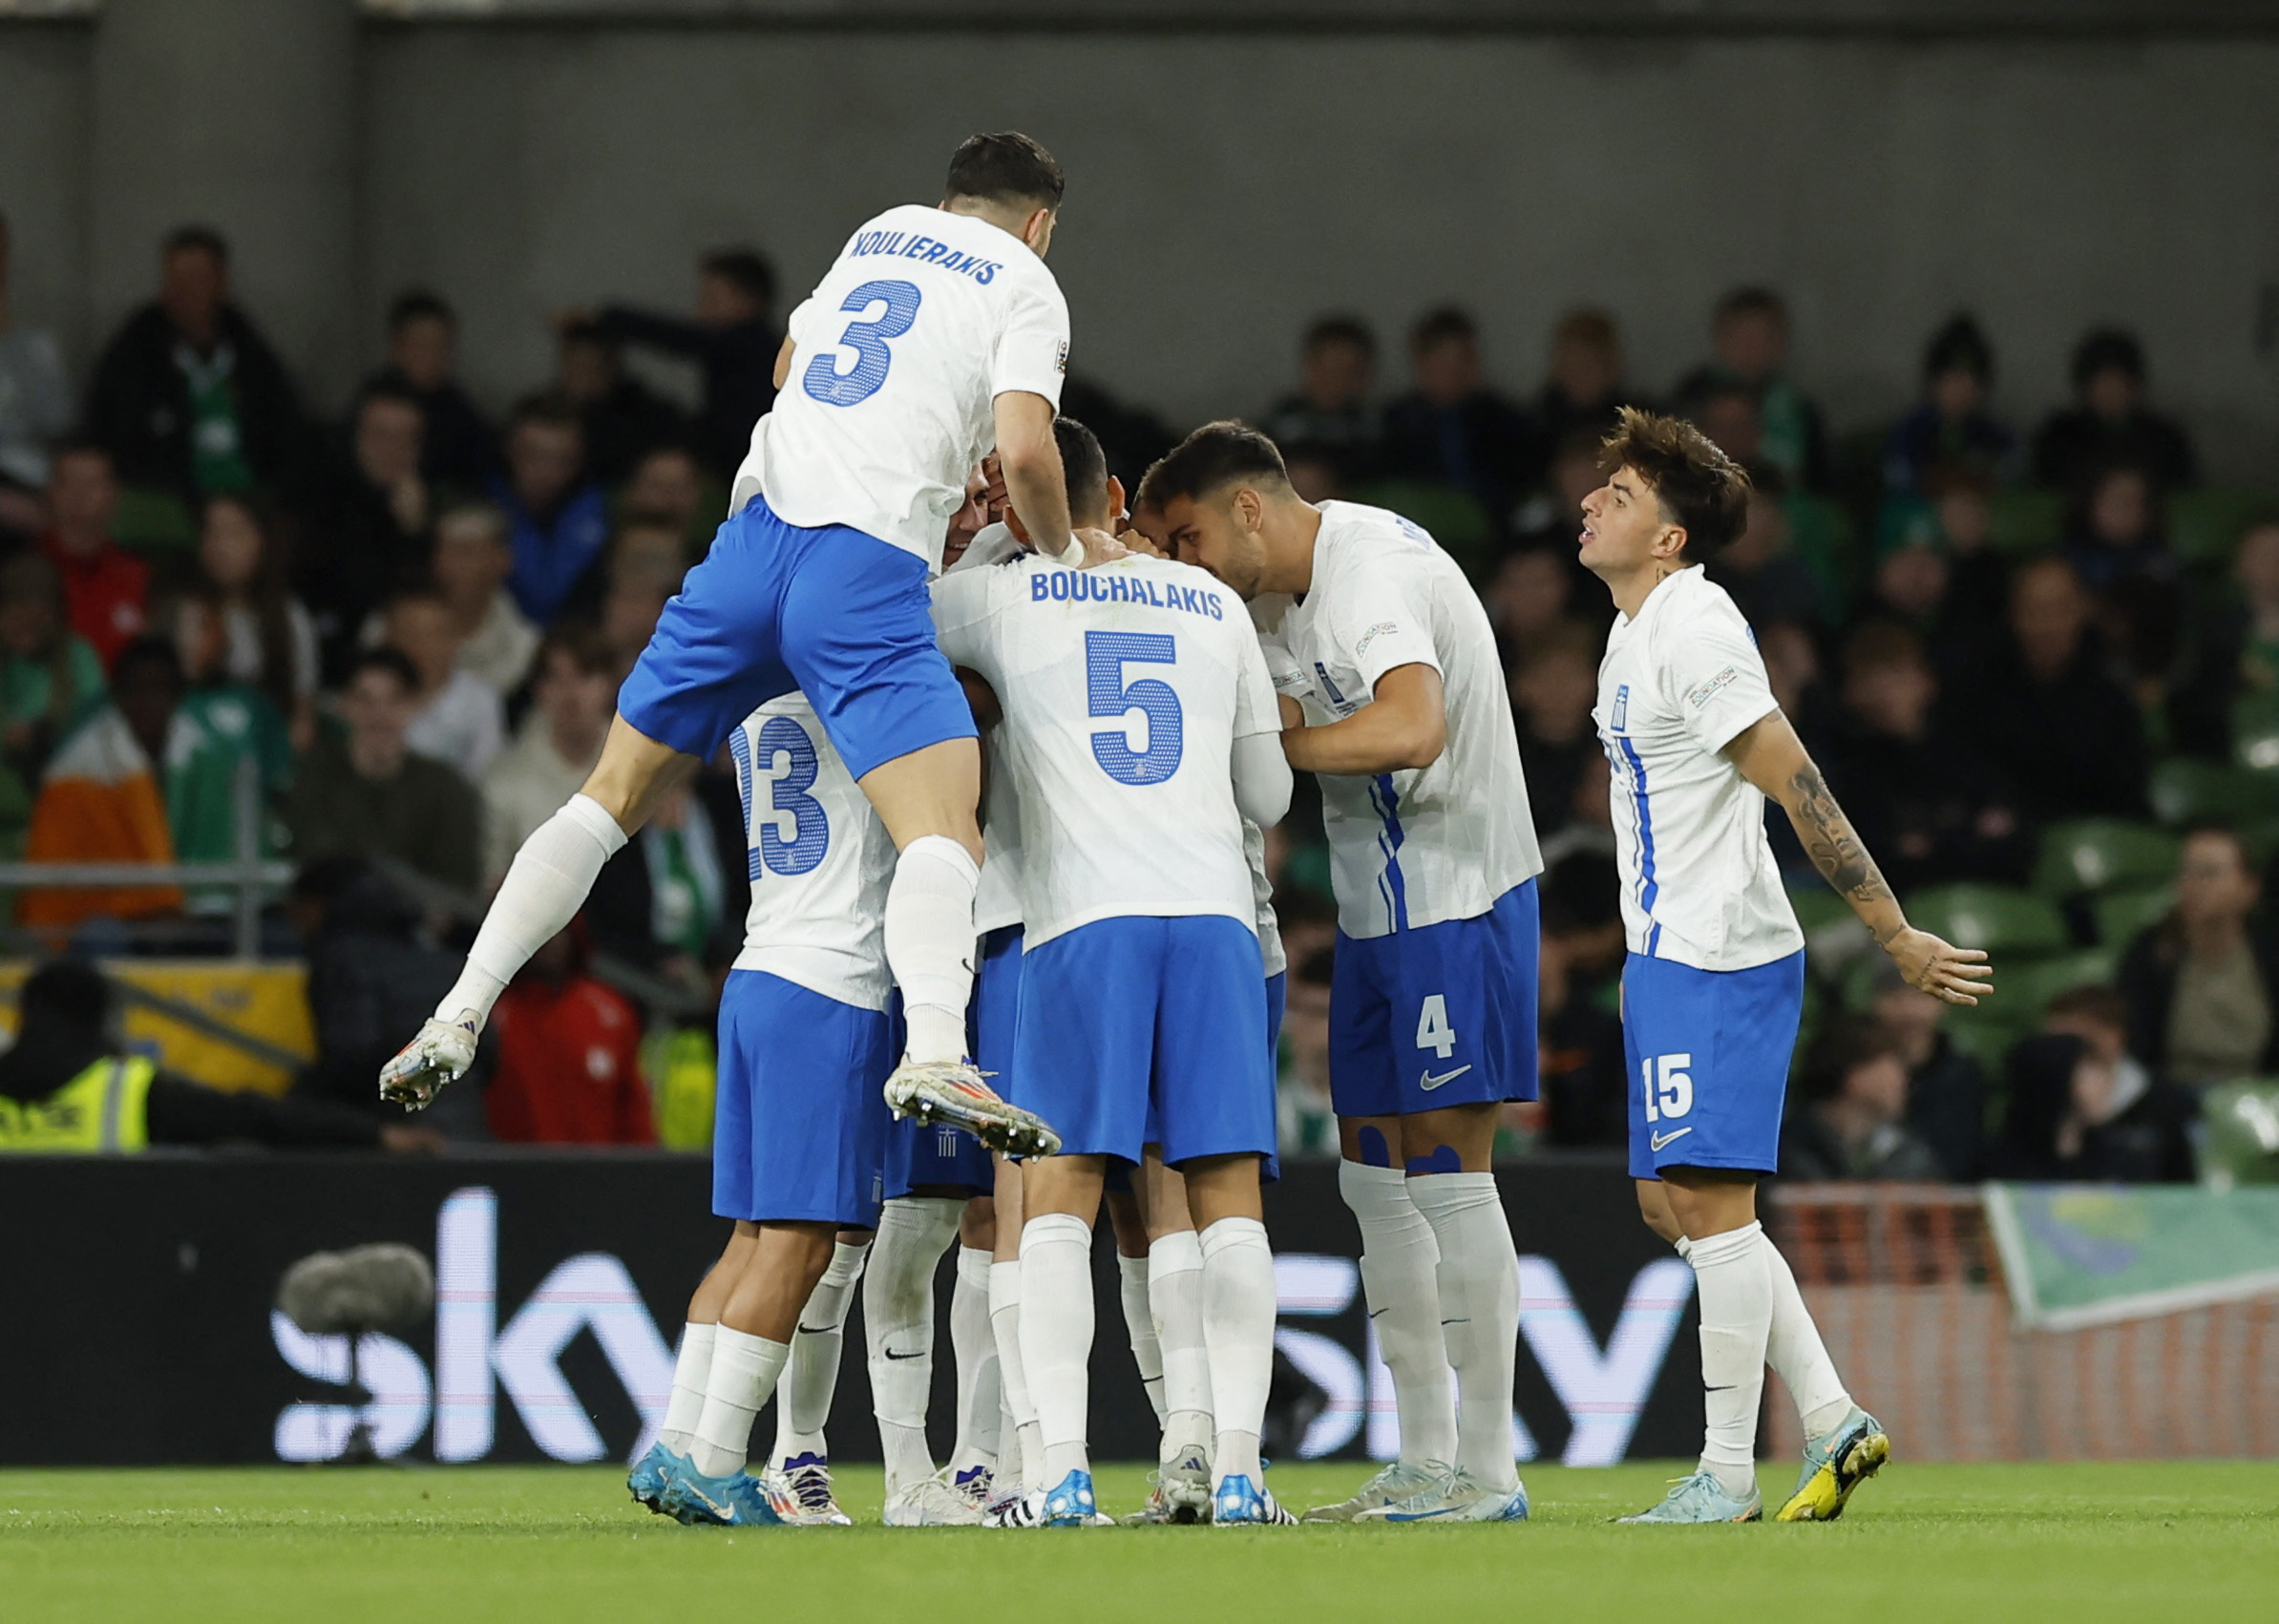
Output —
<point x="1675" y="1094"/>
<point x="1433" y="1031"/>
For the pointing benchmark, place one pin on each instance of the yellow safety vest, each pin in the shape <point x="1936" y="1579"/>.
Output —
<point x="103" y="1108"/>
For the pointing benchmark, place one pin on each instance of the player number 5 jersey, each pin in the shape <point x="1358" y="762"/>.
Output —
<point x="1679" y="684"/>
<point x="820" y="860"/>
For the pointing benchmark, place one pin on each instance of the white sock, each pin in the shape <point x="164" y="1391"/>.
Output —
<point x="1737" y="1311"/>
<point x="897" y="1315"/>
<point x="975" y="1345"/>
<point x="542" y="892"/>
<point x="1399" y="1266"/>
<point x="1238" y="1315"/>
<point x="1479" y="1310"/>
<point x="1176" y="1301"/>
<point x="1792" y="1346"/>
<point x="1139" y="1324"/>
<point x="1056" y="1335"/>
<point x="930" y="943"/>
<point x="803" y="1403"/>
<point x="1012" y="1374"/>
<point x="690" y="1368"/>
<point x="736" y="1388"/>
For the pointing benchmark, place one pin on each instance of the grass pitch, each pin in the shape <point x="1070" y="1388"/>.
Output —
<point x="2196" y="1541"/>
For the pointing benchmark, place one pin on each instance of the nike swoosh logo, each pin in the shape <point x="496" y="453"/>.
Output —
<point x="816" y="1330"/>
<point x="1381" y="1311"/>
<point x="891" y="1354"/>
<point x="1427" y="1081"/>
<point x="1727" y="1388"/>
<point x="1659" y="1142"/>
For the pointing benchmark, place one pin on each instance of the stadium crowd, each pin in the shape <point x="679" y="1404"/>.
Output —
<point x="2040" y="668"/>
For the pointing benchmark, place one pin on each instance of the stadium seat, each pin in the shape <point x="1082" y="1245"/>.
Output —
<point x="1457" y="520"/>
<point x="2087" y="855"/>
<point x="2024" y="988"/>
<point x="153" y="521"/>
<point x="2240" y="1140"/>
<point x="2025" y="521"/>
<point x="2120" y="915"/>
<point x="2255" y="732"/>
<point x="1996" y="917"/>
<point x="2205" y="526"/>
<point x="2184" y="791"/>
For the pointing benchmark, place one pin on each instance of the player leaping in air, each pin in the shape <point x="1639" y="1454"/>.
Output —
<point x="936" y="333"/>
<point x="1713" y="986"/>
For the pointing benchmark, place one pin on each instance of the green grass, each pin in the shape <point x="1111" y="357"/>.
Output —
<point x="2146" y="1543"/>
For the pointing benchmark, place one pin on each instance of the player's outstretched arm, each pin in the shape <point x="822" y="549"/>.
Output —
<point x="1029" y="459"/>
<point x="1771" y="756"/>
<point x="1404" y="726"/>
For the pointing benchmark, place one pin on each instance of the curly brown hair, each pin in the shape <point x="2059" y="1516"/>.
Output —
<point x="1700" y="488"/>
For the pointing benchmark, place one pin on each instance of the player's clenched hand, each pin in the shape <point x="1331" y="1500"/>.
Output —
<point x="1100" y="548"/>
<point x="1957" y="975"/>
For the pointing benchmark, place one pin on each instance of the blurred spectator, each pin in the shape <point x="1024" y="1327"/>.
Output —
<point x="1585" y="1077"/>
<point x="1584" y="390"/>
<point x="1926" y="803"/>
<point x="35" y="408"/>
<point x="1946" y="1089"/>
<point x="367" y="795"/>
<point x="622" y="418"/>
<point x="734" y="339"/>
<point x="1306" y="1125"/>
<point x="1452" y="427"/>
<point x="1854" y="1122"/>
<point x="667" y="484"/>
<point x="188" y="396"/>
<point x="456" y="448"/>
<point x="1748" y="341"/>
<point x="569" y="1057"/>
<point x="2109" y="421"/>
<point x="1532" y="592"/>
<point x="153" y="777"/>
<point x="2043" y="706"/>
<point x="1130" y="436"/>
<point x="573" y="696"/>
<point x="1792" y="670"/>
<point x="375" y="537"/>
<point x="2079" y="1109"/>
<point x="2235" y="648"/>
<point x="2115" y="535"/>
<point x="371" y="979"/>
<point x="1553" y="692"/>
<point x="106" y="589"/>
<point x="558" y="520"/>
<point x="1336" y="373"/>
<point x="629" y="612"/>
<point x="1952" y="429"/>
<point x="1317" y="472"/>
<point x="51" y="681"/>
<point x="1552" y="516"/>
<point x="237" y="621"/>
<point x="674" y="901"/>
<point x="2203" y="984"/>
<point x="456" y="717"/>
<point x="472" y="558"/>
<point x="1768" y="579"/>
<point x="645" y="552"/>
<point x="68" y="1084"/>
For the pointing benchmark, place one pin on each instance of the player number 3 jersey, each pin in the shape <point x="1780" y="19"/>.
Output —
<point x="1680" y="681"/>
<point x="925" y="318"/>
<point x="819" y="859"/>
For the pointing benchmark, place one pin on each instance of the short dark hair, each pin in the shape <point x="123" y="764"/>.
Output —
<point x="196" y="238"/>
<point x="488" y="516"/>
<point x="1215" y="456"/>
<point x="393" y="661"/>
<point x="2093" y="1001"/>
<point x="418" y="304"/>
<point x="579" y="642"/>
<point x="1441" y="323"/>
<point x="1843" y="1045"/>
<point x="746" y="270"/>
<point x="2107" y="349"/>
<point x="1751" y="301"/>
<point x="547" y="410"/>
<point x="395" y="394"/>
<point x="159" y="653"/>
<point x="80" y="445"/>
<point x="1083" y="465"/>
<point x="1340" y="329"/>
<point x="1960" y="346"/>
<point x="1007" y="167"/>
<point x="1699" y="486"/>
<point x="1878" y="645"/>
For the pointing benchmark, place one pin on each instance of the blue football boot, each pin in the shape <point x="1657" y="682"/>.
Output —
<point x="653" y="1474"/>
<point x="1238" y="1503"/>
<point x="736" y="1501"/>
<point x="1834" y="1466"/>
<point x="1702" y="1499"/>
<point x="1457" y="1498"/>
<point x="1070" y="1504"/>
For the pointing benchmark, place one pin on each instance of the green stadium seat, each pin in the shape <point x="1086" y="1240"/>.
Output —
<point x="2121" y="914"/>
<point x="2023" y="988"/>
<point x="2240" y="1139"/>
<point x="2205" y="526"/>
<point x="2184" y="791"/>
<point x="1458" y="522"/>
<point x="1817" y="907"/>
<point x="2255" y="732"/>
<point x="1985" y="1041"/>
<point x="153" y="521"/>
<point x="2025" y="521"/>
<point x="1996" y="917"/>
<point x="2095" y="853"/>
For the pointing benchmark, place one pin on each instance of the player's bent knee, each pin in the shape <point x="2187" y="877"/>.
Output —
<point x="933" y="790"/>
<point x="635" y="773"/>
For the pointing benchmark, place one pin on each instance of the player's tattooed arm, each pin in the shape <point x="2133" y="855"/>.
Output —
<point x="1771" y="756"/>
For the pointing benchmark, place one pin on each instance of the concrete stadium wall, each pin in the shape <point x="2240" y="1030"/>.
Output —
<point x="1225" y="187"/>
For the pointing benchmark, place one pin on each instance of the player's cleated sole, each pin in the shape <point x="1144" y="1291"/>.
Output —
<point x="952" y="1092"/>
<point x="441" y="1053"/>
<point x="1822" y="1496"/>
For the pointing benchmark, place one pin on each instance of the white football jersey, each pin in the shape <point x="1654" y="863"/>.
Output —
<point x="819" y="859"/>
<point x="997" y="899"/>
<point x="920" y="323"/>
<point x="1678" y="683"/>
<point x="1125" y="687"/>
<point x="1420" y="847"/>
